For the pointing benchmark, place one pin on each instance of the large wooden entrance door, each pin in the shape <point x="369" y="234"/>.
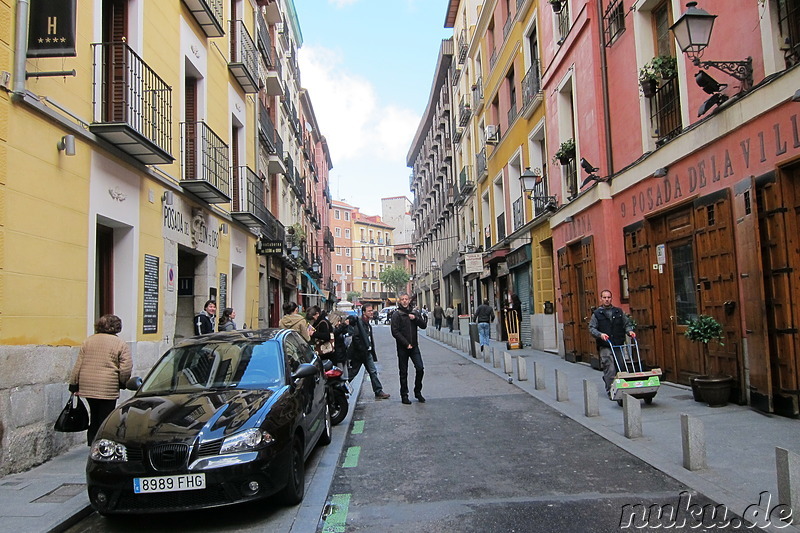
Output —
<point x="778" y="210"/>
<point x="578" y="298"/>
<point x="639" y="257"/>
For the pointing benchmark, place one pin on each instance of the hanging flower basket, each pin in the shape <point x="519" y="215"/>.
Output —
<point x="566" y="152"/>
<point x="649" y="88"/>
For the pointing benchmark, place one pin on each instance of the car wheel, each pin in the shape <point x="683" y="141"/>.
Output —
<point x="339" y="407"/>
<point x="293" y="492"/>
<point x="326" y="436"/>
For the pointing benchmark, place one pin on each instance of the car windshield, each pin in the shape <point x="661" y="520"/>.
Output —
<point x="243" y="364"/>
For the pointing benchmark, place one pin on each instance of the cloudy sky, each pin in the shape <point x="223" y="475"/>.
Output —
<point x="368" y="67"/>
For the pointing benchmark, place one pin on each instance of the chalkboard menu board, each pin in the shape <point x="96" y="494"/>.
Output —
<point x="223" y="293"/>
<point x="150" y="311"/>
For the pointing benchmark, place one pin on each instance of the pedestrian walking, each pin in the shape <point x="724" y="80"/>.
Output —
<point x="362" y="350"/>
<point x="438" y="315"/>
<point x="204" y="320"/>
<point x="450" y="316"/>
<point x="484" y="316"/>
<point x="405" y="322"/>
<point x="322" y="338"/>
<point x="292" y="319"/>
<point x="226" y="322"/>
<point x="104" y="365"/>
<point x="609" y="323"/>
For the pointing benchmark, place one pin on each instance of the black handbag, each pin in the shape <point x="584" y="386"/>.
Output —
<point x="74" y="417"/>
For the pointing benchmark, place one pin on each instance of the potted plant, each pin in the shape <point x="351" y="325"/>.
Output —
<point x="714" y="388"/>
<point x="656" y="70"/>
<point x="566" y="152"/>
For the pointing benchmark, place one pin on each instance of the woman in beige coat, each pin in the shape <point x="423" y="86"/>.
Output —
<point x="103" y="366"/>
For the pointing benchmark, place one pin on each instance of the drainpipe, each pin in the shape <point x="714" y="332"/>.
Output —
<point x="604" y="83"/>
<point x="21" y="47"/>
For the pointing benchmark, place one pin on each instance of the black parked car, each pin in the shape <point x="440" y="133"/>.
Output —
<point x="221" y="418"/>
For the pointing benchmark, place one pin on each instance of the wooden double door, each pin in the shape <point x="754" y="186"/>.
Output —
<point x="579" y="297"/>
<point x="682" y="264"/>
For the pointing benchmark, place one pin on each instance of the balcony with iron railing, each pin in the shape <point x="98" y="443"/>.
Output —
<point x="531" y="90"/>
<point x="518" y="212"/>
<point x="501" y="227"/>
<point x="134" y="110"/>
<point x="487" y="237"/>
<point x="564" y="23"/>
<point x="204" y="163"/>
<point x="477" y="94"/>
<point x="509" y="23"/>
<point x="463" y="46"/>
<point x="665" y="111"/>
<point x="512" y="113"/>
<point x="464" y="112"/>
<point x="243" y="62"/>
<point x="273" y="229"/>
<point x="266" y="129"/>
<point x="273" y="75"/>
<point x="209" y="15"/>
<point x="480" y="164"/>
<point x="247" y="205"/>
<point x="466" y="182"/>
<point x="277" y="161"/>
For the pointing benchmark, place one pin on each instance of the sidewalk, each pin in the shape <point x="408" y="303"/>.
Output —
<point x="740" y="441"/>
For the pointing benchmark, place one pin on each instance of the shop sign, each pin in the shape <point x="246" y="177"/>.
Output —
<point x="264" y="247"/>
<point x="751" y="151"/>
<point x="520" y="256"/>
<point x="51" y="28"/>
<point x="473" y="263"/>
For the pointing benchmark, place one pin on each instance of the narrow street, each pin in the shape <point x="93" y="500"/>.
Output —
<point x="481" y="456"/>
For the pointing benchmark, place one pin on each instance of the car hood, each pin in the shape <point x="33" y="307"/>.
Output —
<point x="208" y="415"/>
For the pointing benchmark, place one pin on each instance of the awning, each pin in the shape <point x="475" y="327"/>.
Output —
<point x="320" y="292"/>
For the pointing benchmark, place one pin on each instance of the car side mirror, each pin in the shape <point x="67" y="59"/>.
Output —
<point x="133" y="383"/>
<point x="304" y="371"/>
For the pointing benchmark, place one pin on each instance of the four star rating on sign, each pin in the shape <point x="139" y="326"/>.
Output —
<point x="52" y="40"/>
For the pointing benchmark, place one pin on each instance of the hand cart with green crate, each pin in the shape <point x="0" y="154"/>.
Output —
<point x="631" y="376"/>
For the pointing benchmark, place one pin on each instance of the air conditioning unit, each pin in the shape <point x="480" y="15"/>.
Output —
<point x="492" y="134"/>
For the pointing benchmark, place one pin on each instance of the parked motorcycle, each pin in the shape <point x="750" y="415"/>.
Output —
<point x="338" y="390"/>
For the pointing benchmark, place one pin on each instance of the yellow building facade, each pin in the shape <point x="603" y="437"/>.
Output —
<point x="137" y="177"/>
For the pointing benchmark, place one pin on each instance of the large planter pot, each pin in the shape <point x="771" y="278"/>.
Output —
<point x="715" y="390"/>
<point x="696" y="394"/>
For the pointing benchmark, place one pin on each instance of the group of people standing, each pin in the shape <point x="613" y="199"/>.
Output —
<point x="204" y="320"/>
<point x="448" y="314"/>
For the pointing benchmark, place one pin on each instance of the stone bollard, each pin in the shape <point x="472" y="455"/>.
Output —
<point x="591" y="405"/>
<point x="538" y="376"/>
<point x="632" y="414"/>
<point x="495" y="359"/>
<point x="487" y="356"/>
<point x="788" y="466"/>
<point x="693" y="438"/>
<point x="522" y="369"/>
<point x="508" y="363"/>
<point x="562" y="391"/>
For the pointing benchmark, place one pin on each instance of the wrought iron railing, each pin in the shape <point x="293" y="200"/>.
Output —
<point x="463" y="46"/>
<point x="480" y="163"/>
<point x="501" y="227"/>
<point x="477" y="93"/>
<point x="248" y="196"/>
<point x="665" y="110"/>
<point x="243" y="49"/>
<point x="204" y="156"/>
<point x="531" y="84"/>
<point x="132" y="93"/>
<point x="518" y="212"/>
<point x="266" y="128"/>
<point x="564" y="22"/>
<point x="464" y="112"/>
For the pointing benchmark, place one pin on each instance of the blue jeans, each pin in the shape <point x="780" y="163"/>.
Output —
<point x="372" y="370"/>
<point x="403" y="355"/>
<point x="483" y="332"/>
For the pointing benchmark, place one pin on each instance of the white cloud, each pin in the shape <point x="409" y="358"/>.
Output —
<point x="342" y="3"/>
<point x="368" y="139"/>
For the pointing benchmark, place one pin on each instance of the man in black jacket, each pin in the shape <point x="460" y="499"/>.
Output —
<point x="405" y="322"/>
<point x="609" y="323"/>
<point x="362" y="349"/>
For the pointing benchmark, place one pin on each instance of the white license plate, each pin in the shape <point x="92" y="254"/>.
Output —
<point x="142" y="485"/>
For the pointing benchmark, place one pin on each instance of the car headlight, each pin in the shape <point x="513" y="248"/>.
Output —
<point x="246" y="440"/>
<point x="108" y="450"/>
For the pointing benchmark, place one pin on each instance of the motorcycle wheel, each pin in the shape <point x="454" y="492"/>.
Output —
<point x="338" y="406"/>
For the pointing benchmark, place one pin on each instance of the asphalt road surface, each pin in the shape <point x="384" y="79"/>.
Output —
<point x="482" y="456"/>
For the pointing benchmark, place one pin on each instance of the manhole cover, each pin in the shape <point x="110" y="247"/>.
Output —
<point x="61" y="493"/>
